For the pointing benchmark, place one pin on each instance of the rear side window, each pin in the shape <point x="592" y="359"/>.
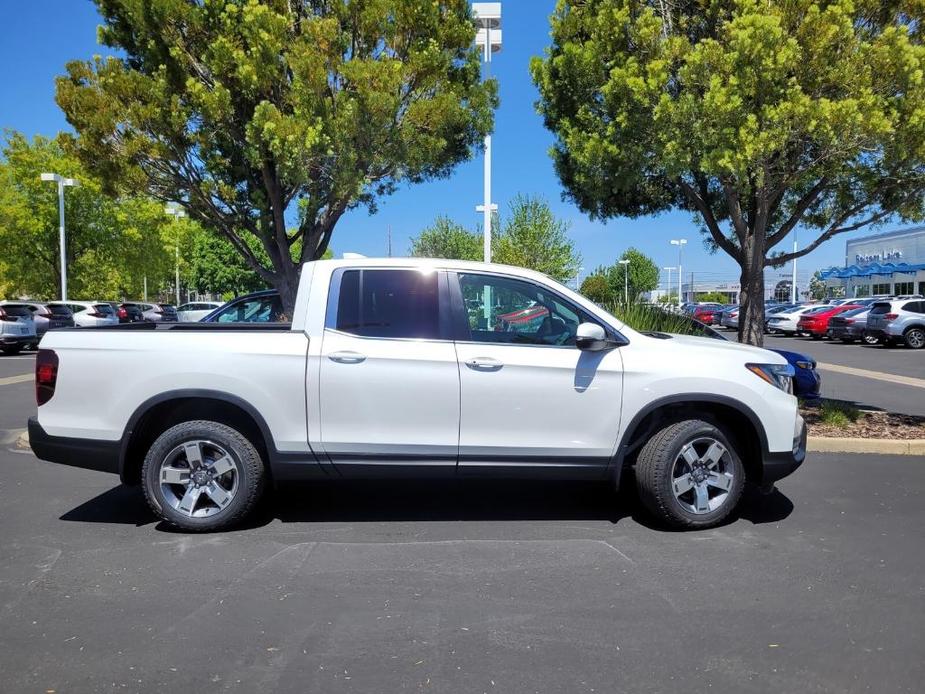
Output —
<point x="389" y="304"/>
<point x="915" y="307"/>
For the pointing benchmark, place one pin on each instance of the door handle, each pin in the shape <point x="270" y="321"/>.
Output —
<point x="484" y="364"/>
<point x="347" y="357"/>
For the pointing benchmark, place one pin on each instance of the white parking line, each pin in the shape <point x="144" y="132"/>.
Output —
<point x="10" y="380"/>
<point x="875" y="375"/>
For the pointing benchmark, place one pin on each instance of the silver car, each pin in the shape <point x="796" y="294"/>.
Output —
<point x="89" y="314"/>
<point x="46" y="316"/>
<point x="17" y="328"/>
<point x="898" y="319"/>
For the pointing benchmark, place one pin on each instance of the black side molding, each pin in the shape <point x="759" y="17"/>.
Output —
<point x="91" y="454"/>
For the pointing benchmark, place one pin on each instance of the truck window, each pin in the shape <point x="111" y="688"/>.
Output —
<point x="504" y="310"/>
<point x="388" y="303"/>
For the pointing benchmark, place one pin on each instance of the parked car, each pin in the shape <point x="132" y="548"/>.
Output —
<point x="850" y="326"/>
<point x="89" y="314"/>
<point x="816" y="323"/>
<point x="730" y="318"/>
<point x="786" y="322"/>
<point x="128" y="312"/>
<point x="17" y="328"/>
<point x="46" y="316"/>
<point x="705" y="312"/>
<point x="260" y="307"/>
<point x="196" y="310"/>
<point x="384" y="371"/>
<point x="153" y="313"/>
<point x="900" y="319"/>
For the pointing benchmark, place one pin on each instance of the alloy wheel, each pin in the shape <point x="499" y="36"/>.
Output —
<point x="198" y="478"/>
<point x="701" y="476"/>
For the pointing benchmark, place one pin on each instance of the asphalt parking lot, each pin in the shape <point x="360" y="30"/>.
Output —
<point x="889" y="378"/>
<point x="817" y="587"/>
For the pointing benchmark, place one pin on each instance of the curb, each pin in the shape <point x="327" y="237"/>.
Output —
<point x="823" y="444"/>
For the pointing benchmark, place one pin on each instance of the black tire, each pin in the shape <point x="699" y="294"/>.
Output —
<point x="654" y="481"/>
<point x="870" y="340"/>
<point x="12" y="350"/>
<point x="248" y="468"/>
<point x="914" y="337"/>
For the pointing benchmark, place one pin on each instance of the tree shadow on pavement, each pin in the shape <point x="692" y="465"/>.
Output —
<point x="433" y="501"/>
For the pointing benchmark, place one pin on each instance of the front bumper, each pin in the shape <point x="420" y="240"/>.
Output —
<point x="779" y="465"/>
<point x="90" y="454"/>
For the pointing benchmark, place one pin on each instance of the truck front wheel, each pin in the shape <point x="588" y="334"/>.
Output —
<point x="202" y="476"/>
<point x="689" y="475"/>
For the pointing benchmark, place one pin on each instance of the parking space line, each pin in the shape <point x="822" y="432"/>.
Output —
<point x="875" y="375"/>
<point x="10" y="380"/>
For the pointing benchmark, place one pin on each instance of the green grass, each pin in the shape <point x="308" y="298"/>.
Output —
<point x="838" y="414"/>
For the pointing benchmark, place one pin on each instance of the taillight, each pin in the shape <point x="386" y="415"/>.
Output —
<point x="46" y="375"/>
<point x="95" y="314"/>
<point x="7" y="317"/>
<point x="891" y="316"/>
<point x="122" y="313"/>
<point x="849" y="321"/>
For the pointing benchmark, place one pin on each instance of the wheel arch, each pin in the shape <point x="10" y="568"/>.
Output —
<point x="159" y="413"/>
<point x="741" y="424"/>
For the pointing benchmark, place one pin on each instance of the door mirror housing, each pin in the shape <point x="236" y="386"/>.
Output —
<point x="591" y="337"/>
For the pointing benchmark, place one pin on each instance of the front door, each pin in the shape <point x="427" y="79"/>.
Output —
<point x="528" y="395"/>
<point x="389" y="384"/>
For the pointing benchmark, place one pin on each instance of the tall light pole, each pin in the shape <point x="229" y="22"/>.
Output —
<point x="680" y="244"/>
<point x="488" y="37"/>
<point x="176" y="213"/>
<point x="626" y="280"/>
<point x="669" y="282"/>
<point x="793" y="281"/>
<point x="61" y="240"/>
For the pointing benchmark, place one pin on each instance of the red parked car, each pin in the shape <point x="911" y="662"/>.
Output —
<point x="816" y="323"/>
<point x="706" y="312"/>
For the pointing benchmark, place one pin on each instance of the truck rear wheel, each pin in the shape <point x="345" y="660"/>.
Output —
<point x="689" y="475"/>
<point x="202" y="476"/>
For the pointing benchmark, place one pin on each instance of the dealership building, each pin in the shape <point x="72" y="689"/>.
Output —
<point x="889" y="264"/>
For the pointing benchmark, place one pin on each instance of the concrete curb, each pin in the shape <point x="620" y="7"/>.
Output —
<point x="823" y="444"/>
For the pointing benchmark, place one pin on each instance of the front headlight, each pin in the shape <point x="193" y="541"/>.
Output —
<point x="778" y="375"/>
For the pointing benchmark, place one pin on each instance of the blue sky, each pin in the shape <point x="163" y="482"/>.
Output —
<point x="38" y="38"/>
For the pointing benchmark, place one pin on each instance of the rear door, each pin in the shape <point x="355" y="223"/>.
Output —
<point x="388" y="381"/>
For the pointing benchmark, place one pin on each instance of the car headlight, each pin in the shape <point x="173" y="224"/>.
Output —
<point x="806" y="364"/>
<point x="778" y="375"/>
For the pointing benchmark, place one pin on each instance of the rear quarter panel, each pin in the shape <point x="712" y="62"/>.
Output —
<point x="105" y="375"/>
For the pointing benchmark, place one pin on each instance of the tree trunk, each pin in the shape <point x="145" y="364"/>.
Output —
<point x="751" y="295"/>
<point x="286" y="283"/>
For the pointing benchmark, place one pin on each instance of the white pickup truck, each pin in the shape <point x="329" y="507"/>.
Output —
<point x="416" y="368"/>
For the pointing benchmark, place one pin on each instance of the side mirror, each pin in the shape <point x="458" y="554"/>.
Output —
<point x="591" y="337"/>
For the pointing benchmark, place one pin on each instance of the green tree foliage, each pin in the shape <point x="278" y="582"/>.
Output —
<point x="756" y="116"/>
<point x="529" y="236"/>
<point x="112" y="243"/>
<point x="241" y="109"/>
<point x="598" y="289"/>
<point x="638" y="277"/>
<point x="447" y="239"/>
<point x="533" y="237"/>
<point x="713" y="297"/>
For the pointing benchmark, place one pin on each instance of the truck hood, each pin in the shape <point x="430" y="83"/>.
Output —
<point x="747" y="353"/>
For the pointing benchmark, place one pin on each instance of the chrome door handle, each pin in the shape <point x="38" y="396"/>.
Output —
<point x="484" y="364"/>
<point x="347" y="357"/>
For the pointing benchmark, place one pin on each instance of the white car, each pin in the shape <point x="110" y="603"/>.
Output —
<point x="786" y="322"/>
<point x="90" y="314"/>
<point x="414" y="367"/>
<point x="196" y="310"/>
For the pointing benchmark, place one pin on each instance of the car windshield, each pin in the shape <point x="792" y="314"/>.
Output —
<point x="105" y="309"/>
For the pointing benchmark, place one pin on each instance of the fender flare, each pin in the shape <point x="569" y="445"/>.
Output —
<point x="626" y="445"/>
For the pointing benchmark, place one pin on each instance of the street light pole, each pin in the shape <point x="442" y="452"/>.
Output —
<point x="793" y="281"/>
<point x="176" y="213"/>
<point x="488" y="37"/>
<point x="680" y="244"/>
<point x="669" y="280"/>
<point x="626" y="281"/>
<point x="61" y="237"/>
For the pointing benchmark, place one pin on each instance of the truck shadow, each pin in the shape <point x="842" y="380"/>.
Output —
<point x="431" y="501"/>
